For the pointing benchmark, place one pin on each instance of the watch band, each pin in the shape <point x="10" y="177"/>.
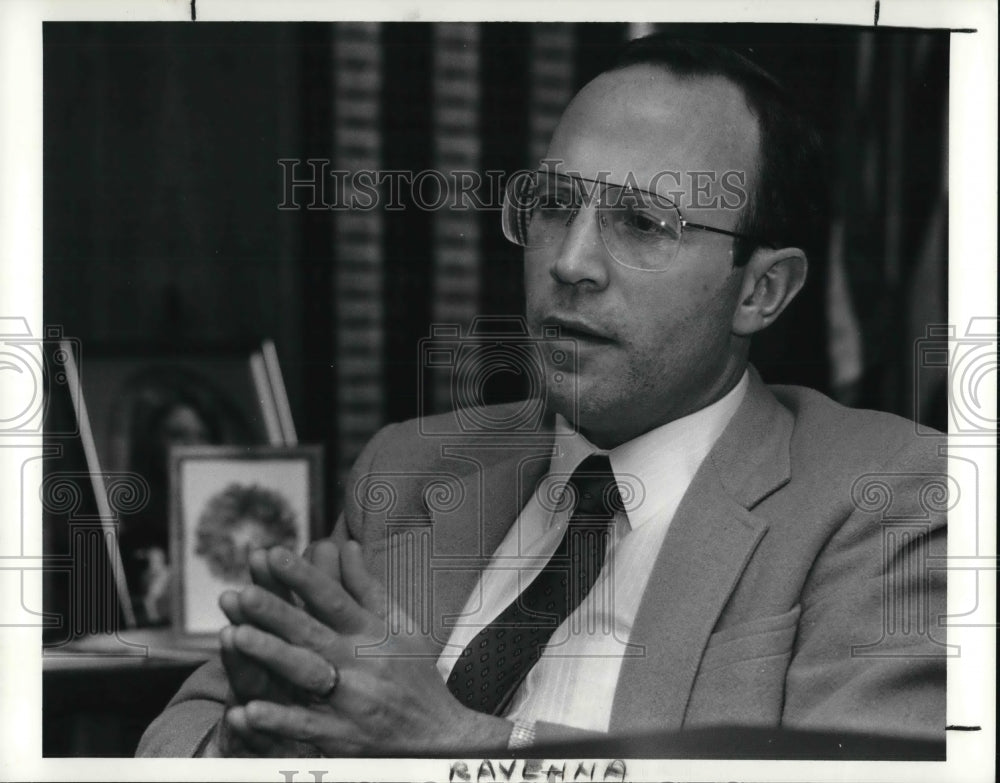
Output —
<point x="523" y="734"/>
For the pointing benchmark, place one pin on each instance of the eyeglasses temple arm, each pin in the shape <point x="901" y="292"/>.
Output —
<point x="714" y="230"/>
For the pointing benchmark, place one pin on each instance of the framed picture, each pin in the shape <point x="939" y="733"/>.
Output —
<point x="142" y="403"/>
<point x="226" y="502"/>
<point x="137" y="399"/>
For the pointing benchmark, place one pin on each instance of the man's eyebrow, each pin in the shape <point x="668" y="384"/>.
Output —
<point x="602" y="184"/>
<point x="597" y="183"/>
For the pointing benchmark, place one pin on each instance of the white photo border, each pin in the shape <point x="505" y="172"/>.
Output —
<point x="972" y="293"/>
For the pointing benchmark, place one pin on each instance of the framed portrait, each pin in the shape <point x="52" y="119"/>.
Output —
<point x="141" y="404"/>
<point x="224" y="503"/>
<point x="137" y="398"/>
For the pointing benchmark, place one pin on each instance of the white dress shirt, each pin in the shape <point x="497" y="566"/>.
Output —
<point x="574" y="681"/>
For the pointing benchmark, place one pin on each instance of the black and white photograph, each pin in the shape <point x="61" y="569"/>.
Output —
<point x="636" y="407"/>
<point x="225" y="503"/>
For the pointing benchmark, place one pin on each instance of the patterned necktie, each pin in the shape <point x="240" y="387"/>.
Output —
<point x="498" y="658"/>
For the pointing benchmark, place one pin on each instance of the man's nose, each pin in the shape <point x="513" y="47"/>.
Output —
<point x="582" y="256"/>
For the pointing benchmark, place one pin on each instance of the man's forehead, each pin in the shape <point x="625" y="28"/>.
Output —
<point x="635" y="122"/>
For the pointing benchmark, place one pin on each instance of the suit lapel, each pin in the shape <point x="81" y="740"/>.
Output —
<point x="710" y="540"/>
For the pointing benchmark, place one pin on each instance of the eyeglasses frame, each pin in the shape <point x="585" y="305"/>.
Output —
<point x="684" y="222"/>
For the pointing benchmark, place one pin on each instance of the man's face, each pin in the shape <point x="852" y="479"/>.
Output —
<point x="651" y="346"/>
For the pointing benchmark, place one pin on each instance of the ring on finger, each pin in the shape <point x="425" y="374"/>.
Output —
<point x="329" y="685"/>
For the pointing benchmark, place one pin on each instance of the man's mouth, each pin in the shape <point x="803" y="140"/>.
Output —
<point x="579" y="329"/>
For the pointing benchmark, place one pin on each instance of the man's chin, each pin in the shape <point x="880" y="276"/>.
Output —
<point x="577" y="409"/>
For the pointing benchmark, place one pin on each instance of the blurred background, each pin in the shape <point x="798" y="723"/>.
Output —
<point x="162" y="186"/>
<point x="167" y="255"/>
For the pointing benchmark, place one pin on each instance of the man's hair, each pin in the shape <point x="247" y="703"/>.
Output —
<point x="788" y="206"/>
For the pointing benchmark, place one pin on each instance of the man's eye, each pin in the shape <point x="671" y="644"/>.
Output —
<point x="647" y="225"/>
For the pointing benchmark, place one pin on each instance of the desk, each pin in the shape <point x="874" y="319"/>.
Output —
<point x="97" y="701"/>
<point x="97" y="705"/>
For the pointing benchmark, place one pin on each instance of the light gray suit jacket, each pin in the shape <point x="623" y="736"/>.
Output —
<point x="794" y="586"/>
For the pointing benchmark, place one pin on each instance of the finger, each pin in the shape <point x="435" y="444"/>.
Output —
<point x="260" y="573"/>
<point x="294" y="625"/>
<point x="247" y="678"/>
<point x="325" y="599"/>
<point x="244" y="739"/>
<point x="298" y="666"/>
<point x="363" y="587"/>
<point x="326" y="730"/>
<point x="325" y="556"/>
<point x="229" y="602"/>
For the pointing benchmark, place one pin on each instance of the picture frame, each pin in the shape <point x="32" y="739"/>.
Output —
<point x="143" y="401"/>
<point x="128" y="387"/>
<point x="226" y="501"/>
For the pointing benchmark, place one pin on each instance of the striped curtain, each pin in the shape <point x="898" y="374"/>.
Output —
<point x="456" y="105"/>
<point x="358" y="240"/>
<point x="888" y="241"/>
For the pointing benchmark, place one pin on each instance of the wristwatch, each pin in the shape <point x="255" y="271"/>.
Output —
<point x="523" y="735"/>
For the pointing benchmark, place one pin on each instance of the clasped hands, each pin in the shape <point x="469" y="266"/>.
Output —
<point x="321" y="675"/>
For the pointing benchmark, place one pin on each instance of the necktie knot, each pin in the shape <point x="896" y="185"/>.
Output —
<point x="595" y="489"/>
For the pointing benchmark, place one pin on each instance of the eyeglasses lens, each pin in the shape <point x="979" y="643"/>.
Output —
<point x="639" y="229"/>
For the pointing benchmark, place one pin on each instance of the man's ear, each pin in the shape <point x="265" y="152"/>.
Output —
<point x="771" y="279"/>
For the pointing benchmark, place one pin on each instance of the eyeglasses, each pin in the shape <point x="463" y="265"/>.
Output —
<point x="641" y="230"/>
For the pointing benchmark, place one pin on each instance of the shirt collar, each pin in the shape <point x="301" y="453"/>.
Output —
<point x="655" y="468"/>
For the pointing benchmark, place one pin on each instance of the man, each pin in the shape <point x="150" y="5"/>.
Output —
<point x="738" y="572"/>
